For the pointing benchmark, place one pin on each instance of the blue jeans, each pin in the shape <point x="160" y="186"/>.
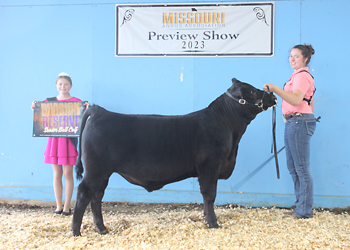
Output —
<point x="297" y="136"/>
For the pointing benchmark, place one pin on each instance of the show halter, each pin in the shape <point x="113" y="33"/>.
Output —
<point x="242" y="101"/>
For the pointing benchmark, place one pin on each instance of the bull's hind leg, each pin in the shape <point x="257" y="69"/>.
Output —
<point x="208" y="187"/>
<point x="96" y="208"/>
<point x="82" y="201"/>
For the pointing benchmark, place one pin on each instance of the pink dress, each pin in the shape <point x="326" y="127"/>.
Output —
<point x="60" y="150"/>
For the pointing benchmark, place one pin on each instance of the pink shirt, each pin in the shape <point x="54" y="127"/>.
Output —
<point x="72" y="99"/>
<point x="304" y="83"/>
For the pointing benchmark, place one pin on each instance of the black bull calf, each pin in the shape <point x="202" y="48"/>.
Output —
<point x="152" y="150"/>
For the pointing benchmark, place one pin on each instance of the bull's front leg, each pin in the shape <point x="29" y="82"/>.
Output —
<point x="208" y="185"/>
<point x="210" y="216"/>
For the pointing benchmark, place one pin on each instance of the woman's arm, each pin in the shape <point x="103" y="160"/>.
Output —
<point x="294" y="98"/>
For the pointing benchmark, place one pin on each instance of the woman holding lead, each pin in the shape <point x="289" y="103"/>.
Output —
<point x="297" y="109"/>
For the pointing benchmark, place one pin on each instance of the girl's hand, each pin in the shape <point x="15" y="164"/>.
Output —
<point x="33" y="105"/>
<point x="87" y="104"/>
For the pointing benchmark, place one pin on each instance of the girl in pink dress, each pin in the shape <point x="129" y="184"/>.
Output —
<point x="61" y="153"/>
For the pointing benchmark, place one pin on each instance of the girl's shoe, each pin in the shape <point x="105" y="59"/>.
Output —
<point x="58" y="212"/>
<point x="67" y="213"/>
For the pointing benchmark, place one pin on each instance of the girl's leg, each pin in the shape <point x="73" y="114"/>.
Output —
<point x="57" y="185"/>
<point x="69" y="186"/>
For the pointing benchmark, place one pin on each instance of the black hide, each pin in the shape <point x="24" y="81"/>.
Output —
<point x="152" y="150"/>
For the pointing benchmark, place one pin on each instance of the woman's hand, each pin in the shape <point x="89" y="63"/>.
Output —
<point x="268" y="87"/>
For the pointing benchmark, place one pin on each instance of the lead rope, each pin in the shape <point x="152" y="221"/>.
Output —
<point x="274" y="146"/>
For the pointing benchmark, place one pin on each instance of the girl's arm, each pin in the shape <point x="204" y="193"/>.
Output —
<point x="33" y="105"/>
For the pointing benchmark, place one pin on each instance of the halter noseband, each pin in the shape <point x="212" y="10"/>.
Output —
<point x="259" y="103"/>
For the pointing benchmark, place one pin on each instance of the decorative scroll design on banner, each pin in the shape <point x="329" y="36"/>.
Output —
<point x="260" y="14"/>
<point x="127" y="16"/>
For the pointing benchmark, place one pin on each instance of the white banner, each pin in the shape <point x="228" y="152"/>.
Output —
<point x="227" y="29"/>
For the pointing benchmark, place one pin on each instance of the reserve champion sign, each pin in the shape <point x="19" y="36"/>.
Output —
<point x="57" y="119"/>
<point x="223" y="29"/>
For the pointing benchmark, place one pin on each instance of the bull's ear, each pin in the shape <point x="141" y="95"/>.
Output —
<point x="235" y="81"/>
<point x="235" y="88"/>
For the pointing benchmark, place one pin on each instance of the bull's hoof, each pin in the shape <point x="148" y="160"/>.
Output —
<point x="77" y="234"/>
<point x="214" y="226"/>
<point x="103" y="232"/>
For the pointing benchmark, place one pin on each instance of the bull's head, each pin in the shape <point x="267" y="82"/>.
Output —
<point x="246" y="94"/>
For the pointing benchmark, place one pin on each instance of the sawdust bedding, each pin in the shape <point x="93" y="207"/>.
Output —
<point x="174" y="226"/>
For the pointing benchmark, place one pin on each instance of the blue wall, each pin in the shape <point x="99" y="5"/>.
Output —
<point x="39" y="39"/>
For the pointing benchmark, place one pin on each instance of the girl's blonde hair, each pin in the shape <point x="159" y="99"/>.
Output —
<point x="64" y="76"/>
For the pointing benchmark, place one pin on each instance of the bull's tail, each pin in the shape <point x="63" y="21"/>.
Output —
<point x="79" y="165"/>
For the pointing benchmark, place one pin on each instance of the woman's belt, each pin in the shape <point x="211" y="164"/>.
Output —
<point x="288" y="116"/>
